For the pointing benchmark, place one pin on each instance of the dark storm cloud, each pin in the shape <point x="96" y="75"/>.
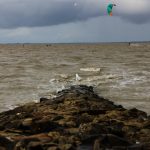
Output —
<point x="34" y="13"/>
<point x="18" y="13"/>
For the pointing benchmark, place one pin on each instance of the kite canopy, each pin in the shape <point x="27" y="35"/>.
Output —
<point x="109" y="9"/>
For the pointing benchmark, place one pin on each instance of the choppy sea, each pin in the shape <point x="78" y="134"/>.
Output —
<point x="118" y="71"/>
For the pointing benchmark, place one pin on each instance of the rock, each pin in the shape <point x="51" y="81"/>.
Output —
<point x="27" y="122"/>
<point x="6" y="143"/>
<point x="2" y="148"/>
<point x="77" y="118"/>
<point x="110" y="140"/>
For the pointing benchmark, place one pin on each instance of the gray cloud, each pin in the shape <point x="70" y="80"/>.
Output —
<point x="135" y="18"/>
<point x="16" y="13"/>
<point x="37" y="13"/>
<point x="135" y="11"/>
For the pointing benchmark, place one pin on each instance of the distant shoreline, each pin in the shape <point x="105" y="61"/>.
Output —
<point x="78" y="43"/>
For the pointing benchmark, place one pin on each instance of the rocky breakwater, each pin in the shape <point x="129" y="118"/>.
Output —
<point x="76" y="119"/>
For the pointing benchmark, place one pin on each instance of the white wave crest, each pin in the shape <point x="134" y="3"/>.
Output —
<point x="90" y="69"/>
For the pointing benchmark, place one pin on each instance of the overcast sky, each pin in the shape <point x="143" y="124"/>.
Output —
<point x="73" y="21"/>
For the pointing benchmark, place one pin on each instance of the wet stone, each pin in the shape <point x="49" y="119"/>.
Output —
<point x="77" y="118"/>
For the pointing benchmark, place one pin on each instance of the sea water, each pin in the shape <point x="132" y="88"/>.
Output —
<point x="118" y="71"/>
